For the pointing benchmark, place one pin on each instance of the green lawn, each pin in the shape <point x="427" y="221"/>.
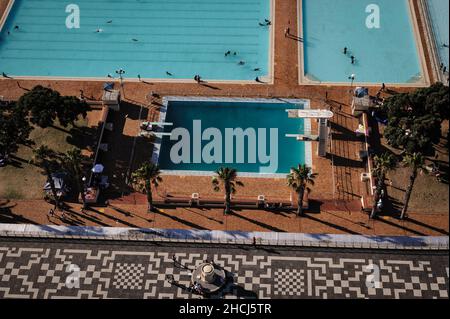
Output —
<point x="21" y="180"/>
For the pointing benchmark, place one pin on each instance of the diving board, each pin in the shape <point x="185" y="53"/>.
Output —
<point x="161" y="123"/>
<point x="161" y="134"/>
<point x="304" y="137"/>
<point x="153" y="133"/>
<point x="310" y="114"/>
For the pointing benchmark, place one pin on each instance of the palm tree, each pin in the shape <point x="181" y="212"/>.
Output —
<point x="382" y="165"/>
<point x="73" y="163"/>
<point x="228" y="177"/>
<point x="144" y="177"/>
<point x="298" y="180"/>
<point x="416" y="162"/>
<point x="42" y="157"/>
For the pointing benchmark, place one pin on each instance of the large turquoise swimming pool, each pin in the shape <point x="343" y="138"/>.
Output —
<point x="260" y="146"/>
<point x="175" y="39"/>
<point x="385" y="52"/>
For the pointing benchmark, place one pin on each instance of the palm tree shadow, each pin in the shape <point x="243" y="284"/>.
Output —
<point x="416" y="222"/>
<point x="179" y="220"/>
<point x="269" y="227"/>
<point x="392" y="207"/>
<point x="341" y="228"/>
<point x="7" y="216"/>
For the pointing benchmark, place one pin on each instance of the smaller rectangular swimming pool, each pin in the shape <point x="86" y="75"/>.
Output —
<point x="246" y="134"/>
<point x="379" y="34"/>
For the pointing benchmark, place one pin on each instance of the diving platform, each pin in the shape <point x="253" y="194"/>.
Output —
<point x="153" y="133"/>
<point x="304" y="137"/>
<point x="310" y="114"/>
<point x="161" y="123"/>
<point x="161" y="134"/>
<point x="322" y="117"/>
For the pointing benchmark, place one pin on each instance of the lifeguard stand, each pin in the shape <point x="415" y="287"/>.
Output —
<point x="111" y="98"/>
<point x="361" y="101"/>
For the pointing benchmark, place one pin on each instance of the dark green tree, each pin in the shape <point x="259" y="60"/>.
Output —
<point x="72" y="161"/>
<point x="43" y="157"/>
<point x="46" y="105"/>
<point x="228" y="177"/>
<point x="144" y="177"/>
<point x="416" y="162"/>
<point x="70" y="110"/>
<point x="415" y="119"/>
<point x="298" y="180"/>
<point x="14" y="129"/>
<point x="382" y="165"/>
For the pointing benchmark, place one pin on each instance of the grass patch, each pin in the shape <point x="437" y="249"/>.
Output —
<point x="11" y="193"/>
<point x="22" y="180"/>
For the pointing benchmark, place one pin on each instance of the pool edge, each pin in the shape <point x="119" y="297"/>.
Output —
<point x="5" y="14"/>
<point x="163" y="114"/>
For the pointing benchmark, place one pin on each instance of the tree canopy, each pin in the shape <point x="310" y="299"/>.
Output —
<point x="46" y="105"/>
<point x="14" y="129"/>
<point x="415" y="119"/>
<point x="144" y="177"/>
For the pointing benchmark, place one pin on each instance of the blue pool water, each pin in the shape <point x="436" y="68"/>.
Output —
<point x="181" y="37"/>
<point x="226" y="114"/>
<point x="387" y="54"/>
<point x="439" y="11"/>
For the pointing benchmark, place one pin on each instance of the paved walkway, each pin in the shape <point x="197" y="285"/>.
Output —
<point x="40" y="269"/>
<point x="330" y="220"/>
<point x="225" y="237"/>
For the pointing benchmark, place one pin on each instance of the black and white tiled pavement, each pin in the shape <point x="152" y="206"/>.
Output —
<point x="88" y="269"/>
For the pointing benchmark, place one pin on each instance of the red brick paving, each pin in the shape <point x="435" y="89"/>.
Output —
<point x="325" y="222"/>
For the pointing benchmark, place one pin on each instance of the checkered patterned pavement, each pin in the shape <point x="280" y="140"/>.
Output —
<point x="75" y="269"/>
<point x="129" y="276"/>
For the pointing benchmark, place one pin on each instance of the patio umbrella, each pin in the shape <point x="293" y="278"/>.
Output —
<point x="360" y="92"/>
<point x="98" y="168"/>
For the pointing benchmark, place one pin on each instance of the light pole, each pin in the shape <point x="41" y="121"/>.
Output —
<point x="352" y="77"/>
<point x="120" y="72"/>
<point x="84" y="179"/>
